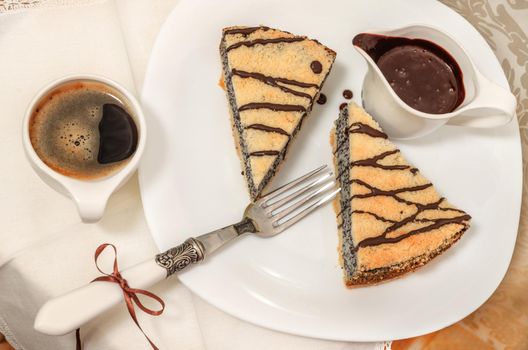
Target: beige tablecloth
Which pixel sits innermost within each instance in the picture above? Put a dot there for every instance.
(44, 250)
(502, 322)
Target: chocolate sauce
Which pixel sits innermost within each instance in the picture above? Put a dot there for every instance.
(272, 82)
(264, 42)
(118, 135)
(266, 128)
(348, 94)
(316, 67)
(342, 106)
(424, 75)
(322, 99)
(273, 107)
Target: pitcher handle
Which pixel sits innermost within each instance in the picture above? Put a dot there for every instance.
(493, 106)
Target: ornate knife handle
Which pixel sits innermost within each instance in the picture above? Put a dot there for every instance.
(178, 258)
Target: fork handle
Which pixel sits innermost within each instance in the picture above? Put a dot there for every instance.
(68, 312)
(176, 259)
(194, 250)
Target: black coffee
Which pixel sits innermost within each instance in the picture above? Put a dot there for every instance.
(83, 129)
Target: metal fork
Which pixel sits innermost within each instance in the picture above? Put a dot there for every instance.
(266, 217)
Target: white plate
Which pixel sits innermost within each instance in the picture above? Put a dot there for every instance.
(191, 183)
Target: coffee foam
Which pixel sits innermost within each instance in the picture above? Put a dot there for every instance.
(64, 128)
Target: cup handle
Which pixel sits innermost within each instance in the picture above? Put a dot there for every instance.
(493, 106)
(91, 205)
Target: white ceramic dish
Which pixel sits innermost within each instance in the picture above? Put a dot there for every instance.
(190, 179)
(485, 104)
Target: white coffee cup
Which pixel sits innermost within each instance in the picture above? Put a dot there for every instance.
(485, 105)
(90, 196)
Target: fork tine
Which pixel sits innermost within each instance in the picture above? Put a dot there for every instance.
(307, 210)
(299, 192)
(322, 188)
(289, 185)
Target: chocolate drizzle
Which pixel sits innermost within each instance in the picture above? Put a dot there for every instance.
(266, 128)
(365, 129)
(436, 223)
(362, 129)
(264, 153)
(390, 193)
(271, 81)
(296, 83)
(272, 106)
(380, 218)
(373, 162)
(250, 43)
(244, 31)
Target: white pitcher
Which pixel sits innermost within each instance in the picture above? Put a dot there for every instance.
(485, 104)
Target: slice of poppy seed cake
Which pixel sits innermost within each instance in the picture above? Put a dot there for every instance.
(391, 219)
(272, 79)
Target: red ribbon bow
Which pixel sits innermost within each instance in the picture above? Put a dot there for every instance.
(130, 294)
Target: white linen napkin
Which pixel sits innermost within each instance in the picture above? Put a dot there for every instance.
(44, 249)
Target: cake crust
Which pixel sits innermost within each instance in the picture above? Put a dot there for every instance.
(380, 275)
